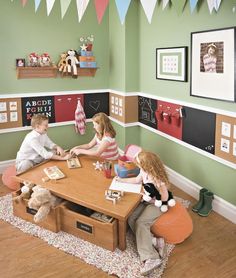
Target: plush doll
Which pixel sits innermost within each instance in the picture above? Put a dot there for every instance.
(33, 59)
(62, 65)
(26, 191)
(150, 193)
(42, 201)
(72, 61)
(45, 60)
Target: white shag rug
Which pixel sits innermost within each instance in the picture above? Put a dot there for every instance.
(124, 264)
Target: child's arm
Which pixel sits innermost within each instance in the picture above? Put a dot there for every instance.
(94, 152)
(88, 146)
(59, 157)
(137, 179)
(163, 191)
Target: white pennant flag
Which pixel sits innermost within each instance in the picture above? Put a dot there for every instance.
(148, 7)
(164, 3)
(81, 7)
(64, 6)
(217, 4)
(50, 4)
(36, 3)
(211, 5)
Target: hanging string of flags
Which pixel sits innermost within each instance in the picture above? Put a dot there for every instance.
(123, 6)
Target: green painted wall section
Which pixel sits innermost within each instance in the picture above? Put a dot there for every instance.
(168, 29)
(22, 32)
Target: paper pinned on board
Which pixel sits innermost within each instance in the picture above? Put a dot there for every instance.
(125, 186)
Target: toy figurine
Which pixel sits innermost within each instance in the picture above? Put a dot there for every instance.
(98, 166)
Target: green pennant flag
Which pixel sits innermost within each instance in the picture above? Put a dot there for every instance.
(179, 5)
(64, 6)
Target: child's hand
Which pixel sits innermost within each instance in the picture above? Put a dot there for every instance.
(67, 156)
(72, 151)
(76, 152)
(118, 179)
(59, 151)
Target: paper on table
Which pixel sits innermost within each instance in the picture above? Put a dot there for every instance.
(125, 186)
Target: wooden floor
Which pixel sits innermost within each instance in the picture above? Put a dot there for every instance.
(209, 252)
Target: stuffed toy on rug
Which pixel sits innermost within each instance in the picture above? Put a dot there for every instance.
(26, 191)
(42, 200)
(151, 193)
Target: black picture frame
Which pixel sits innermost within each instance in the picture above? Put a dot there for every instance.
(20, 62)
(171, 63)
(213, 64)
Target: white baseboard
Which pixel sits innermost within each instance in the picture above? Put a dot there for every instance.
(220, 206)
(5, 164)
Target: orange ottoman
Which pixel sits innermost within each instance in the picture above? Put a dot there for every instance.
(174, 226)
(8, 178)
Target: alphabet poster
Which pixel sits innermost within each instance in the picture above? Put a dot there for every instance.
(37, 105)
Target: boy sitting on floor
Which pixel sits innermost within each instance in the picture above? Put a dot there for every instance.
(37, 146)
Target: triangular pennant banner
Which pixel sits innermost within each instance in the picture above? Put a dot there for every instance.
(179, 5)
(50, 4)
(64, 6)
(217, 4)
(81, 7)
(122, 7)
(164, 3)
(193, 4)
(100, 6)
(148, 7)
(211, 5)
(36, 4)
(23, 2)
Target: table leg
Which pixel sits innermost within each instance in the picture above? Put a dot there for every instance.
(122, 225)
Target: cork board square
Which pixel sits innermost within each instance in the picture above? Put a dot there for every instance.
(225, 139)
(10, 113)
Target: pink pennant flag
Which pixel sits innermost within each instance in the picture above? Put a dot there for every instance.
(100, 6)
(148, 7)
(23, 2)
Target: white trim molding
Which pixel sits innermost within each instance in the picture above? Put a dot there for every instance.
(220, 206)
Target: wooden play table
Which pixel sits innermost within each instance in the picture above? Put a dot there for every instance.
(86, 186)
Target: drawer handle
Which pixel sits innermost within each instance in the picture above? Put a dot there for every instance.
(31, 211)
(84, 227)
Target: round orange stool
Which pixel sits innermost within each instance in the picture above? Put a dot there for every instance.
(174, 226)
(7, 178)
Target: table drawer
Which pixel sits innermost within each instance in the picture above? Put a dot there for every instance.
(87, 228)
(21, 209)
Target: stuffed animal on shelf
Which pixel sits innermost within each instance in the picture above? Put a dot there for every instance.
(26, 191)
(33, 59)
(62, 65)
(72, 61)
(42, 200)
(151, 193)
(44, 60)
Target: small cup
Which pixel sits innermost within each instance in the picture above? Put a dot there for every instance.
(107, 173)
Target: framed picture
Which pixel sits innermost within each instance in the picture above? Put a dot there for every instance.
(213, 64)
(171, 63)
(20, 62)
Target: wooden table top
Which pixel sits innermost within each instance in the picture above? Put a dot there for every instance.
(85, 186)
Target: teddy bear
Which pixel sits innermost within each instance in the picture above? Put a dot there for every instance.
(72, 61)
(26, 191)
(151, 193)
(42, 200)
(33, 59)
(62, 65)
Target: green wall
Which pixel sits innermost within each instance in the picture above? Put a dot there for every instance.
(126, 55)
(168, 29)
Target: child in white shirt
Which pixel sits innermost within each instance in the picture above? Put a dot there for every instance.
(37, 146)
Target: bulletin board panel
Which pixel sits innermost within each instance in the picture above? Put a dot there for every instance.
(225, 140)
(199, 128)
(146, 111)
(10, 113)
(37, 105)
(95, 103)
(131, 109)
(117, 107)
(65, 106)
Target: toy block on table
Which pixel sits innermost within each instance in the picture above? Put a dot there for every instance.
(54, 173)
(73, 163)
(113, 196)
